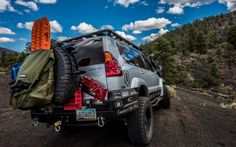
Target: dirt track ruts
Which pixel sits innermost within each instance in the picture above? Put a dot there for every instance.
(192, 120)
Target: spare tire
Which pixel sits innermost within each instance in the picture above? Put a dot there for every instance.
(65, 80)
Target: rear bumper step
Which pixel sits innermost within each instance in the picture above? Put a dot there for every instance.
(119, 103)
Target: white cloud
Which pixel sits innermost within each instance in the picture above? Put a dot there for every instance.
(107, 27)
(175, 25)
(27, 10)
(26, 25)
(62, 38)
(84, 28)
(126, 36)
(145, 25)
(160, 10)
(54, 26)
(178, 5)
(151, 37)
(154, 36)
(46, 1)
(163, 31)
(5, 5)
(175, 10)
(29, 25)
(126, 3)
(137, 32)
(30, 4)
(144, 3)
(20, 25)
(23, 39)
(187, 3)
(105, 7)
(4, 30)
(231, 4)
(6, 39)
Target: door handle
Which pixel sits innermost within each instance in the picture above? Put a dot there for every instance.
(142, 72)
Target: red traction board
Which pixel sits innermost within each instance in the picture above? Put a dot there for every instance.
(76, 102)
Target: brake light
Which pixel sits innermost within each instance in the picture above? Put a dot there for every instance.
(112, 66)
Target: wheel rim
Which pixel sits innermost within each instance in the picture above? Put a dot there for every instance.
(147, 120)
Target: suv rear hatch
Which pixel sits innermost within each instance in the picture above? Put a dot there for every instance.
(90, 58)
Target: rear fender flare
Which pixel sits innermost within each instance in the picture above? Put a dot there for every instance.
(137, 82)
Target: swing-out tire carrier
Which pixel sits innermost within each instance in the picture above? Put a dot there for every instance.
(118, 105)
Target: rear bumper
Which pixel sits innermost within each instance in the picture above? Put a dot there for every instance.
(118, 105)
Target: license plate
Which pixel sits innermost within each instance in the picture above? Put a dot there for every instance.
(86, 115)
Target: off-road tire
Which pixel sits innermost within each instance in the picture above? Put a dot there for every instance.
(65, 81)
(165, 102)
(140, 123)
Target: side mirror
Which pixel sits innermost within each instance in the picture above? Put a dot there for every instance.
(159, 67)
(152, 57)
(159, 70)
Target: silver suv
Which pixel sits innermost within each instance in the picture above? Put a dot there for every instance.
(132, 81)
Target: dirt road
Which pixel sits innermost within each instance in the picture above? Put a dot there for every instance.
(192, 120)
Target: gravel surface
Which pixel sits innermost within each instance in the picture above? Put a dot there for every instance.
(192, 120)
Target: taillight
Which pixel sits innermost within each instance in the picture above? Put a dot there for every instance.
(112, 66)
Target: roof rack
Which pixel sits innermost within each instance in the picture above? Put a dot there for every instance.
(105, 32)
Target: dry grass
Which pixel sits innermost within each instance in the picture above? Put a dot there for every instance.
(172, 91)
(228, 106)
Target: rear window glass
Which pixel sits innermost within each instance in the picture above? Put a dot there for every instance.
(89, 52)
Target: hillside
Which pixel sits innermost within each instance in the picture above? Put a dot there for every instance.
(201, 54)
(5, 50)
(9, 57)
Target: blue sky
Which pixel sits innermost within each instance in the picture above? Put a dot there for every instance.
(137, 20)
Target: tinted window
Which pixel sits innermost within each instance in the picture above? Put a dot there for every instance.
(127, 54)
(90, 52)
(148, 64)
(138, 58)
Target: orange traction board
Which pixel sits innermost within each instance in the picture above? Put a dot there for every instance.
(41, 34)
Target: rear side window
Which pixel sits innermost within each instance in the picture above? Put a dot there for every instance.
(138, 58)
(90, 52)
(127, 54)
(148, 64)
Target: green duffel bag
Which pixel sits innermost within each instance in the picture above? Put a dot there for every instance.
(34, 83)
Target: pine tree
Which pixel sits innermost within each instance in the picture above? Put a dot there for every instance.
(213, 40)
(191, 39)
(200, 43)
(232, 36)
(165, 54)
(3, 58)
(27, 47)
(213, 76)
